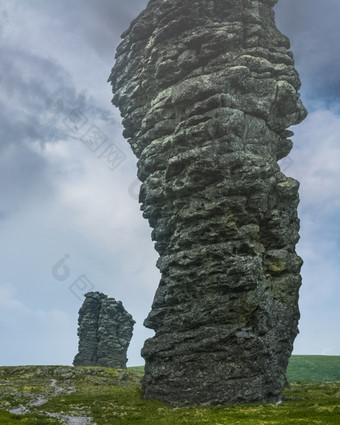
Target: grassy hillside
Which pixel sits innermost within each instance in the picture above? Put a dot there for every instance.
(42, 395)
(314, 369)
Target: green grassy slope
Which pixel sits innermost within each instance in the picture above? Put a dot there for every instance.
(314, 369)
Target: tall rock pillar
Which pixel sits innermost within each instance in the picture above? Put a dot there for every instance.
(105, 330)
(207, 90)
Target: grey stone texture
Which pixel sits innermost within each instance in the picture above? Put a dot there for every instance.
(207, 90)
(105, 330)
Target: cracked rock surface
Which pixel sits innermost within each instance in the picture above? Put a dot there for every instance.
(105, 330)
(207, 90)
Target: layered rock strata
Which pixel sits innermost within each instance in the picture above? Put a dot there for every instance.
(207, 90)
(105, 330)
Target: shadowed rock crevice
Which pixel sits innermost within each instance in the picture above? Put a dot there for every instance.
(207, 90)
(105, 330)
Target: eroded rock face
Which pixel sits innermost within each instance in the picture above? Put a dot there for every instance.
(105, 330)
(207, 90)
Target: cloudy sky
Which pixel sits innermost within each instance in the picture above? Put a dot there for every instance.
(69, 215)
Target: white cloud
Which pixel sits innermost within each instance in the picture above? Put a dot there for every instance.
(96, 202)
(316, 160)
(26, 332)
(316, 156)
(7, 301)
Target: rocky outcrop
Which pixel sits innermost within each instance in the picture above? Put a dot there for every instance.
(207, 90)
(105, 331)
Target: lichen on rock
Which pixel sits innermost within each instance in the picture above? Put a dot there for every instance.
(105, 330)
(207, 90)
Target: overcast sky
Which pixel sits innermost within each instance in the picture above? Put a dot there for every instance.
(69, 216)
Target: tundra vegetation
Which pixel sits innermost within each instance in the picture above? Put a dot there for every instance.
(42, 395)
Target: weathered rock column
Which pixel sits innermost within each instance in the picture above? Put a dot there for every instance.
(207, 89)
(105, 331)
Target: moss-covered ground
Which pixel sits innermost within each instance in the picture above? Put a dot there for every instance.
(54, 394)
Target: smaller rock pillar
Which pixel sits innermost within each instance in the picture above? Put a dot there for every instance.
(105, 330)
